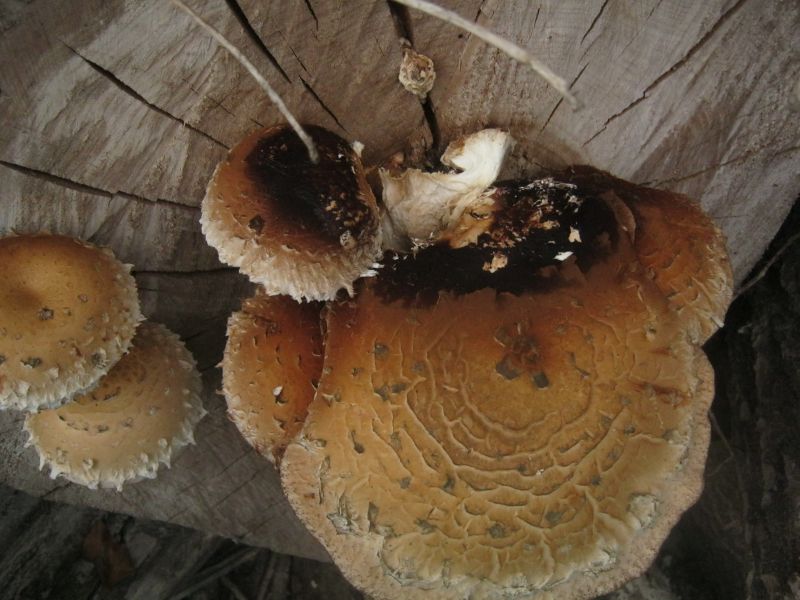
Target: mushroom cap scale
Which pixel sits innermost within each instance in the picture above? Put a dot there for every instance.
(493, 444)
(272, 363)
(296, 228)
(681, 248)
(139, 416)
(68, 312)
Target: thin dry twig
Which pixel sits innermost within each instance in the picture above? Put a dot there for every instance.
(273, 95)
(208, 576)
(760, 275)
(518, 53)
(237, 593)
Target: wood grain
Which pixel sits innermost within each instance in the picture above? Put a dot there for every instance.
(116, 112)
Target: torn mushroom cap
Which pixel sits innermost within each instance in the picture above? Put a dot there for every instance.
(272, 363)
(300, 229)
(68, 312)
(681, 248)
(139, 415)
(420, 205)
(487, 445)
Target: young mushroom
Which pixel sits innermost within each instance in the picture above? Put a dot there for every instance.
(536, 439)
(139, 416)
(272, 363)
(68, 312)
(297, 228)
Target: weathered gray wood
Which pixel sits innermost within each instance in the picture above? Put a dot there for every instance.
(116, 112)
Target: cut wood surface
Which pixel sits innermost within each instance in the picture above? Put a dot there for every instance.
(115, 114)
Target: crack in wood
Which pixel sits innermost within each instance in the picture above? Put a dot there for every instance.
(401, 18)
(313, 14)
(686, 57)
(291, 49)
(57, 180)
(83, 188)
(322, 104)
(560, 100)
(737, 159)
(129, 91)
(594, 21)
(241, 17)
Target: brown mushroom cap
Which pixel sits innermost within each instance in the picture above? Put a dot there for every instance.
(681, 248)
(68, 312)
(272, 363)
(139, 415)
(296, 228)
(488, 445)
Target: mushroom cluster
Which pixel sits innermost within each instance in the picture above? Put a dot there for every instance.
(514, 405)
(108, 397)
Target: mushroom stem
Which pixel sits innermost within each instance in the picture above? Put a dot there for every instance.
(516, 52)
(273, 95)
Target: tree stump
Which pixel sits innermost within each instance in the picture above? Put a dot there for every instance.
(115, 114)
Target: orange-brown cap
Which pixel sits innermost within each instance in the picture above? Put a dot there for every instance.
(68, 312)
(681, 248)
(139, 415)
(271, 366)
(490, 444)
(300, 229)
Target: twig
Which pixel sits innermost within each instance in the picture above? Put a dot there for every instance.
(273, 95)
(237, 593)
(211, 574)
(516, 52)
(760, 275)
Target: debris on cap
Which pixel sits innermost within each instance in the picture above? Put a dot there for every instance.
(139, 416)
(417, 73)
(271, 366)
(68, 312)
(300, 229)
(420, 205)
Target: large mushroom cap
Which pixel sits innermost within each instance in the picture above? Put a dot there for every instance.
(272, 363)
(487, 444)
(68, 312)
(141, 413)
(494, 445)
(301, 229)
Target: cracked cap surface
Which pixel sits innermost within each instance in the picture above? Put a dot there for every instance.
(495, 445)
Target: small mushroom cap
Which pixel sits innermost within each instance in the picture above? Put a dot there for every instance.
(139, 415)
(272, 363)
(680, 247)
(491, 445)
(296, 228)
(68, 312)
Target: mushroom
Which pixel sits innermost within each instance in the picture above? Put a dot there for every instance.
(536, 440)
(420, 205)
(68, 312)
(297, 228)
(139, 415)
(272, 363)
